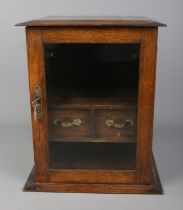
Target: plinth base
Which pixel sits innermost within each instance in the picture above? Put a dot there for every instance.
(153, 188)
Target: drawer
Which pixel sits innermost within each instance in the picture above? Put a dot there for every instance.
(116, 124)
(68, 123)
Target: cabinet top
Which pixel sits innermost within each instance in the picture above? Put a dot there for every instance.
(132, 21)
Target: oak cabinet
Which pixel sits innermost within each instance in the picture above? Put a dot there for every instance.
(92, 87)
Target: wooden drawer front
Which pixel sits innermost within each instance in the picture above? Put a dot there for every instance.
(68, 123)
(116, 124)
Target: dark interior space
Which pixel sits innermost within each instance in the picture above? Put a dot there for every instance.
(92, 156)
(91, 67)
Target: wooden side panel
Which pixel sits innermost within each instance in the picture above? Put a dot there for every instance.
(37, 77)
(91, 35)
(146, 104)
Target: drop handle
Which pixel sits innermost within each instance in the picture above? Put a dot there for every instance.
(127, 123)
(73, 123)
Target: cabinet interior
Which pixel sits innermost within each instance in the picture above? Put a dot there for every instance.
(92, 80)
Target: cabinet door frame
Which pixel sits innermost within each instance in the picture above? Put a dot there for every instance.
(146, 95)
(147, 38)
(36, 71)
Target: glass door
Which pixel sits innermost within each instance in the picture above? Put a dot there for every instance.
(92, 98)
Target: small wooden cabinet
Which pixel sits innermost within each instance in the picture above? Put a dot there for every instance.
(92, 84)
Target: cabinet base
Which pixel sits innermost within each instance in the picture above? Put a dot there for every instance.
(153, 188)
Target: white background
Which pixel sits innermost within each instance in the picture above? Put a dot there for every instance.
(16, 157)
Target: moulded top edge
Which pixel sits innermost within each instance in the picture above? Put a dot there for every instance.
(132, 21)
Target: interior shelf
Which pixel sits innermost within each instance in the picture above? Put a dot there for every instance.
(97, 156)
(96, 97)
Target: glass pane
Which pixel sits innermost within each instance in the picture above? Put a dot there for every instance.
(92, 93)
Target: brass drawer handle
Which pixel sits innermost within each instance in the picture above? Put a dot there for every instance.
(125, 124)
(37, 102)
(75, 122)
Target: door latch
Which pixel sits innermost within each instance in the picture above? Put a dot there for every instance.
(37, 102)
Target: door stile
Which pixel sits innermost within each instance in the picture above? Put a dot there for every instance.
(148, 47)
(37, 86)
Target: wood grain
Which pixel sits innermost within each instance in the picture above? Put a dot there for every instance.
(153, 188)
(91, 35)
(146, 104)
(92, 176)
(39, 127)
